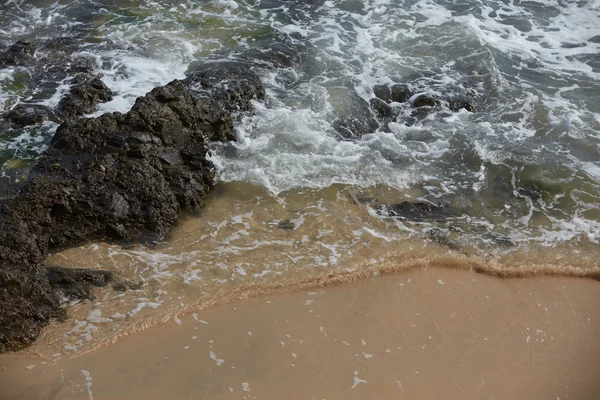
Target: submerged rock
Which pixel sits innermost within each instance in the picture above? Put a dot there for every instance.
(397, 93)
(441, 238)
(286, 225)
(400, 93)
(30, 114)
(20, 53)
(381, 109)
(120, 177)
(417, 211)
(460, 103)
(424, 100)
(76, 283)
(354, 115)
(595, 39)
(382, 92)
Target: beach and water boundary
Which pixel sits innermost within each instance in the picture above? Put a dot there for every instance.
(425, 333)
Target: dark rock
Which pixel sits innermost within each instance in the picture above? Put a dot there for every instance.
(397, 93)
(81, 66)
(76, 283)
(354, 117)
(425, 100)
(232, 85)
(30, 114)
(383, 92)
(20, 53)
(567, 45)
(400, 93)
(84, 98)
(381, 108)
(27, 303)
(595, 39)
(118, 177)
(11, 182)
(121, 285)
(276, 54)
(457, 104)
(417, 211)
(286, 225)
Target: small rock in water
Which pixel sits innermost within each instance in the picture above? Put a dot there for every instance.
(457, 104)
(286, 225)
(397, 93)
(30, 114)
(380, 108)
(417, 211)
(20, 53)
(76, 283)
(425, 100)
(400, 93)
(383, 92)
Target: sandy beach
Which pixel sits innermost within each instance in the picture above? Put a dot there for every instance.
(427, 334)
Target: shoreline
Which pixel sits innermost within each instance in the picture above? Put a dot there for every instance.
(532, 337)
(430, 256)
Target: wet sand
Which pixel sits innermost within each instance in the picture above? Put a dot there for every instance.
(423, 334)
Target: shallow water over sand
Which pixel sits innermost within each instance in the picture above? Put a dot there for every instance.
(247, 243)
(425, 334)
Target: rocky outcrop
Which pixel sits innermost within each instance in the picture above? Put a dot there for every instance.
(398, 93)
(55, 62)
(20, 53)
(83, 98)
(119, 177)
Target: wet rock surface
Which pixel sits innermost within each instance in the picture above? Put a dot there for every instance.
(20, 53)
(459, 103)
(56, 60)
(354, 117)
(83, 98)
(119, 177)
(417, 211)
(421, 105)
(400, 93)
(381, 108)
(77, 283)
(425, 100)
(30, 114)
